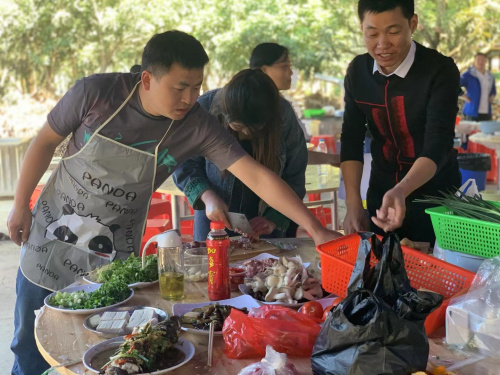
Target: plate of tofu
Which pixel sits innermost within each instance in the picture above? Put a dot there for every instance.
(121, 321)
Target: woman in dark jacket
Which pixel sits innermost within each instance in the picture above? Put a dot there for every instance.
(266, 126)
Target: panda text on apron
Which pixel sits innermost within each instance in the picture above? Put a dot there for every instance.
(92, 208)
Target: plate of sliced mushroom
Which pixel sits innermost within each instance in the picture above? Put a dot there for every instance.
(287, 283)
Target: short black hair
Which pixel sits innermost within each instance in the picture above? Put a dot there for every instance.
(379, 6)
(135, 69)
(267, 54)
(171, 47)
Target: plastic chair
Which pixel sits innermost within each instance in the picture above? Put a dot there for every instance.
(154, 227)
(329, 141)
(35, 195)
(160, 206)
(323, 214)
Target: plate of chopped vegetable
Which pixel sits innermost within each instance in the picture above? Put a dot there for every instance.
(90, 298)
(196, 317)
(152, 350)
(129, 270)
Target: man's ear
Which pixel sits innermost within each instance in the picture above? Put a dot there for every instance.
(413, 23)
(146, 78)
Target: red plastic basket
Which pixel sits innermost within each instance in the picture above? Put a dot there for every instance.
(424, 271)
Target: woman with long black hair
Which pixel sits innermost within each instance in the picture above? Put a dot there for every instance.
(265, 124)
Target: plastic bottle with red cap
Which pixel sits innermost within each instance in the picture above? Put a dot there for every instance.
(219, 286)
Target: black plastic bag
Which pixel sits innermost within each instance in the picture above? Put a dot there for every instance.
(379, 327)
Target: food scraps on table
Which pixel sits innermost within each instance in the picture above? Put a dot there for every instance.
(147, 350)
(200, 318)
(287, 282)
(255, 266)
(245, 241)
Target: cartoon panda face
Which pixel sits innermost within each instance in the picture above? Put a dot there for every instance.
(85, 232)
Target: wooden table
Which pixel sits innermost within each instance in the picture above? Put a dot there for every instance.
(61, 337)
(315, 184)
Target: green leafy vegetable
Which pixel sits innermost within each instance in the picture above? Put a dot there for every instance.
(130, 270)
(109, 293)
(470, 207)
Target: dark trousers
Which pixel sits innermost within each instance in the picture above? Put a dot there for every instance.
(27, 358)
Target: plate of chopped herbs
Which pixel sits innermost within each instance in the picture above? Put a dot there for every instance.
(129, 271)
(90, 298)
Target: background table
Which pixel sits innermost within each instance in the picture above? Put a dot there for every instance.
(328, 183)
(490, 141)
(315, 184)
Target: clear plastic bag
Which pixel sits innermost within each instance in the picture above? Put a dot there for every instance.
(273, 363)
(473, 320)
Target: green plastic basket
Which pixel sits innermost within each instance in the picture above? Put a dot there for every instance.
(311, 113)
(470, 236)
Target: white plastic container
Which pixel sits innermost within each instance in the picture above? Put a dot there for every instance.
(322, 168)
(491, 195)
(467, 261)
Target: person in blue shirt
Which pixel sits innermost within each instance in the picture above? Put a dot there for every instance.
(480, 88)
(266, 126)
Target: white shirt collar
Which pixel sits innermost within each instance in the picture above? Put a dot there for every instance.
(405, 66)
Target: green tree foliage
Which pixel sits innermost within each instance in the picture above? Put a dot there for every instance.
(46, 45)
(459, 28)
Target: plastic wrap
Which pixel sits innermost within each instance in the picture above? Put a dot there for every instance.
(286, 330)
(473, 320)
(273, 363)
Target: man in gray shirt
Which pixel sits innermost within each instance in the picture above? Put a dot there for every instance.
(130, 132)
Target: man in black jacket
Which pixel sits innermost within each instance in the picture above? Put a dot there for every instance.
(407, 96)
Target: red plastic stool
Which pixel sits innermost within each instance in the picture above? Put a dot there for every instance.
(323, 214)
(35, 195)
(159, 209)
(329, 141)
(154, 227)
(492, 174)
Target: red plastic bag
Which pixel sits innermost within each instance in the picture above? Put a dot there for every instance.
(286, 330)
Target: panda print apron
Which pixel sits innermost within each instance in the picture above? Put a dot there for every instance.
(92, 209)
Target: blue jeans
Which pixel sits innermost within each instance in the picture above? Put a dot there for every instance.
(28, 360)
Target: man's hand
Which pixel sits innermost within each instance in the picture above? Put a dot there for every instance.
(391, 214)
(261, 225)
(215, 207)
(356, 220)
(466, 98)
(19, 224)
